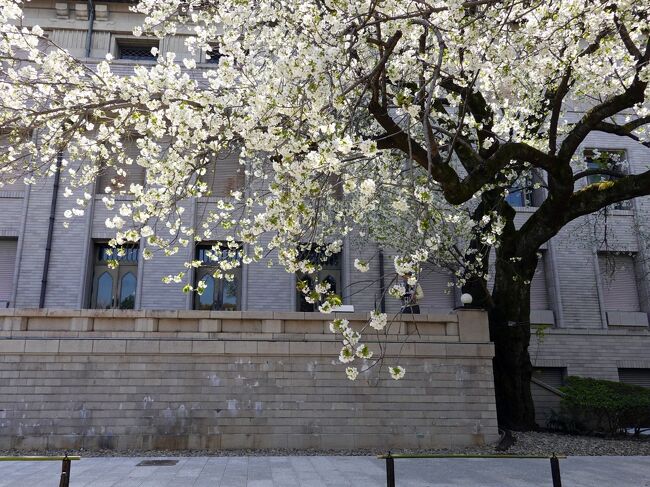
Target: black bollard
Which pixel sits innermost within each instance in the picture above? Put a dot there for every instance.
(555, 471)
(390, 470)
(65, 472)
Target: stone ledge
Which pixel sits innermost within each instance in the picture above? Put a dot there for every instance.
(446, 327)
(231, 346)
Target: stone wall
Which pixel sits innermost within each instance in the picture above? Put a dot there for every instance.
(219, 380)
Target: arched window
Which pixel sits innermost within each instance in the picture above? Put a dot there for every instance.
(104, 291)
(127, 291)
(330, 272)
(114, 276)
(220, 293)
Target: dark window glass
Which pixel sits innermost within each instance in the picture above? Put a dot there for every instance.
(330, 272)
(213, 56)
(219, 293)
(114, 286)
(104, 291)
(127, 291)
(520, 194)
(206, 300)
(107, 253)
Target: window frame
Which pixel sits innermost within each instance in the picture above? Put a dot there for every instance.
(120, 42)
(205, 269)
(329, 268)
(128, 264)
(622, 166)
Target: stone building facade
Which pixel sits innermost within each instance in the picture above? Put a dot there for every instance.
(591, 293)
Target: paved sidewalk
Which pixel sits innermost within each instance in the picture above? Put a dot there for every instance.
(331, 472)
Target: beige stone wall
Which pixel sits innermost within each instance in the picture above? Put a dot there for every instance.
(125, 379)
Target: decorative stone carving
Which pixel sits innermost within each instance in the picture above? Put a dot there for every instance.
(101, 12)
(61, 9)
(81, 11)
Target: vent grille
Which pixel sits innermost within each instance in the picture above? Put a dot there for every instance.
(137, 53)
(637, 377)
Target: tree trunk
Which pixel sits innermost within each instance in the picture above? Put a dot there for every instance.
(509, 319)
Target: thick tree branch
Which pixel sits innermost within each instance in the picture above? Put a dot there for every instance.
(625, 130)
(599, 195)
(627, 41)
(598, 171)
(560, 93)
(613, 105)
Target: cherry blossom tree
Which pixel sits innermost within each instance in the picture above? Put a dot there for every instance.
(407, 121)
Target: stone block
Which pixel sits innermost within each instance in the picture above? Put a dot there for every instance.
(241, 326)
(305, 348)
(226, 315)
(29, 312)
(430, 349)
(143, 346)
(41, 346)
(193, 314)
(273, 348)
(442, 317)
(101, 12)
(175, 346)
(337, 442)
(303, 442)
(272, 326)
(237, 441)
(208, 347)
(81, 11)
(241, 347)
(176, 324)
(462, 349)
(81, 324)
(161, 313)
(109, 346)
(111, 324)
(61, 9)
(257, 315)
(451, 329)
(145, 324)
(304, 326)
(473, 326)
(38, 323)
(210, 325)
(75, 346)
(13, 323)
(288, 315)
(334, 348)
(62, 313)
(426, 328)
(30, 442)
(12, 346)
(270, 441)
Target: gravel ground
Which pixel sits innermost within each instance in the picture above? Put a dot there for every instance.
(531, 443)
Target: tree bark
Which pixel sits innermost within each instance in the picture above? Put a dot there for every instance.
(509, 318)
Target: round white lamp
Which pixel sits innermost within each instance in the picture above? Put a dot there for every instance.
(466, 299)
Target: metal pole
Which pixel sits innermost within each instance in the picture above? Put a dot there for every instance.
(65, 472)
(555, 471)
(390, 470)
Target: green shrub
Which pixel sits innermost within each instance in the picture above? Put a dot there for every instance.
(603, 405)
